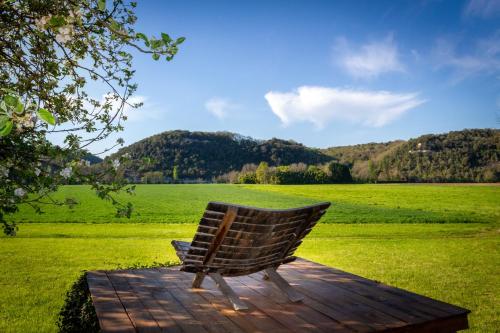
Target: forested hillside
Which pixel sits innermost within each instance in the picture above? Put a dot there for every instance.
(461, 156)
(204, 155)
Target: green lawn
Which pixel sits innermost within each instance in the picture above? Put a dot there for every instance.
(437, 255)
(351, 203)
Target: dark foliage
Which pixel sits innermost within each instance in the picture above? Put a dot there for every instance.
(93, 159)
(78, 313)
(339, 173)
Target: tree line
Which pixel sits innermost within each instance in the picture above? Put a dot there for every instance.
(297, 173)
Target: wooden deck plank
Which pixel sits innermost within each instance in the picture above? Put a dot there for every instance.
(428, 305)
(258, 318)
(139, 283)
(161, 299)
(322, 322)
(243, 321)
(393, 306)
(112, 315)
(138, 313)
(247, 321)
(271, 308)
(163, 295)
(202, 311)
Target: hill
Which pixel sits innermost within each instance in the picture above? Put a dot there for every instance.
(460, 156)
(204, 155)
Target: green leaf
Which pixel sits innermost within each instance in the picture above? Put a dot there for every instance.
(3, 121)
(101, 4)
(6, 128)
(10, 100)
(142, 36)
(156, 56)
(19, 107)
(57, 21)
(166, 38)
(180, 40)
(156, 43)
(115, 25)
(46, 116)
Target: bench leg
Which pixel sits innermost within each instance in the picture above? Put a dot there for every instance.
(237, 303)
(283, 285)
(198, 279)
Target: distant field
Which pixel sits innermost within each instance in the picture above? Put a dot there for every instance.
(398, 203)
(441, 241)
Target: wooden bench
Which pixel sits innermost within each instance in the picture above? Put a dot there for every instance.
(234, 240)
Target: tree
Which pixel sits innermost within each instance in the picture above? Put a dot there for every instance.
(248, 178)
(175, 174)
(338, 173)
(52, 53)
(372, 171)
(262, 173)
(152, 177)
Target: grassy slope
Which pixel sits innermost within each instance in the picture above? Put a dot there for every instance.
(457, 263)
(352, 203)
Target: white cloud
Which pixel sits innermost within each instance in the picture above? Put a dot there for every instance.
(369, 60)
(321, 105)
(219, 107)
(481, 58)
(482, 8)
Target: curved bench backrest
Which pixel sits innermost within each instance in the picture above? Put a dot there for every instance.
(237, 240)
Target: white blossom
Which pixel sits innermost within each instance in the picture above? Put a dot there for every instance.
(26, 121)
(75, 14)
(42, 22)
(37, 172)
(116, 164)
(64, 34)
(19, 192)
(66, 172)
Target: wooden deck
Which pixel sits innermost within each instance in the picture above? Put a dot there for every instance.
(162, 300)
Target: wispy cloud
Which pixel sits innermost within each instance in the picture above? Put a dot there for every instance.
(482, 58)
(321, 105)
(369, 60)
(482, 8)
(220, 107)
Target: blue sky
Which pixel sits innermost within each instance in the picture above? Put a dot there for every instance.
(324, 73)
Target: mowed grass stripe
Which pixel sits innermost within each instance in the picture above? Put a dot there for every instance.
(401, 203)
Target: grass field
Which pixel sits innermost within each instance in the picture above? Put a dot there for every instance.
(440, 241)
